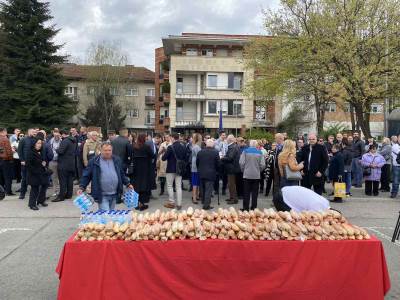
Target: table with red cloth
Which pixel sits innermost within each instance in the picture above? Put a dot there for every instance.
(223, 269)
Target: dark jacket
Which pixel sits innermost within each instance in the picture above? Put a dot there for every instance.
(92, 173)
(208, 162)
(231, 160)
(347, 158)
(143, 171)
(358, 148)
(66, 154)
(35, 172)
(336, 166)
(120, 147)
(169, 156)
(318, 162)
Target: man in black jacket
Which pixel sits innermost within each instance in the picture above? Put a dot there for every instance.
(358, 148)
(174, 152)
(120, 146)
(232, 167)
(207, 162)
(315, 158)
(66, 166)
(24, 148)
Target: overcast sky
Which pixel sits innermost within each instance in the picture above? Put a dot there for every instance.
(139, 25)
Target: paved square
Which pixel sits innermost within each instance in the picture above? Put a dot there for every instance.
(30, 241)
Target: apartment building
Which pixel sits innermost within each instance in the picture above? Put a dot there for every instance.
(197, 76)
(134, 91)
(338, 113)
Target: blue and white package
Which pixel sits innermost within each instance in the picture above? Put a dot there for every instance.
(131, 198)
(83, 202)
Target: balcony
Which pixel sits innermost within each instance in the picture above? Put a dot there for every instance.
(189, 91)
(189, 124)
(149, 100)
(164, 77)
(166, 97)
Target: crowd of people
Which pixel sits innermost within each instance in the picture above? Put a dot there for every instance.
(51, 163)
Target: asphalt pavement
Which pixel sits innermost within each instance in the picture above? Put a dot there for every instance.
(31, 241)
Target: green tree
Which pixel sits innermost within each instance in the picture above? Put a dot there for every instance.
(331, 50)
(31, 86)
(95, 116)
(106, 70)
(286, 62)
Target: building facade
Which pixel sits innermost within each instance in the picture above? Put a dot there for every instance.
(197, 76)
(134, 91)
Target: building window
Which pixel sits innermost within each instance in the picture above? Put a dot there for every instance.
(72, 92)
(132, 113)
(150, 92)
(207, 52)
(211, 107)
(376, 108)
(212, 81)
(260, 112)
(330, 107)
(235, 81)
(132, 92)
(113, 91)
(150, 117)
(191, 52)
(234, 107)
(228, 107)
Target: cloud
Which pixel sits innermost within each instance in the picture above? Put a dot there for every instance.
(139, 25)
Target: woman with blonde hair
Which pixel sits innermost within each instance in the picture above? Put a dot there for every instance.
(197, 140)
(287, 158)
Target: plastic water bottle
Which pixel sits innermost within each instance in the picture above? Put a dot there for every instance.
(83, 202)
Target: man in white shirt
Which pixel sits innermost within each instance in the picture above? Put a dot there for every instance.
(395, 170)
(299, 199)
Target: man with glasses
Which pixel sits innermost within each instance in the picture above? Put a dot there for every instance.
(315, 159)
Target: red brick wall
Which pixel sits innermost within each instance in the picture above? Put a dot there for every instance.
(159, 57)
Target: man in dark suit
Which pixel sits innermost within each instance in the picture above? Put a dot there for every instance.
(121, 147)
(315, 158)
(208, 163)
(279, 139)
(154, 144)
(66, 165)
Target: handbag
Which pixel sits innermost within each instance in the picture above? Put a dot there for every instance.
(339, 189)
(368, 170)
(292, 175)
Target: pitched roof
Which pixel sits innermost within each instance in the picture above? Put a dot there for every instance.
(74, 71)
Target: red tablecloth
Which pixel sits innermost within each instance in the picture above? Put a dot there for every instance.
(216, 269)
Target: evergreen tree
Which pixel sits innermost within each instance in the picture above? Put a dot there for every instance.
(31, 86)
(104, 112)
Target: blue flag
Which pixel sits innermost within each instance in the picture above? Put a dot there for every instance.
(221, 127)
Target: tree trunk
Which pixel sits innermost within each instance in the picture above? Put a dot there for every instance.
(363, 120)
(353, 122)
(320, 114)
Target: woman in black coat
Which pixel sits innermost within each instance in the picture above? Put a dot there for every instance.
(141, 178)
(336, 168)
(37, 176)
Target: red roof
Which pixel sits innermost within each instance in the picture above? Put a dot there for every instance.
(74, 71)
(218, 35)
